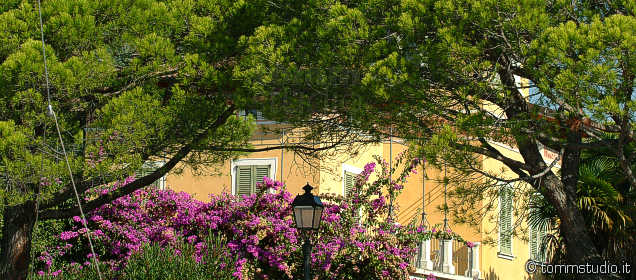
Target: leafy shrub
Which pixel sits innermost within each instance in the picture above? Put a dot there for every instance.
(184, 261)
(207, 260)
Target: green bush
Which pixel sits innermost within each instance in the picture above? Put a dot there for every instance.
(156, 262)
(169, 263)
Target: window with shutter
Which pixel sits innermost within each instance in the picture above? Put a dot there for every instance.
(537, 243)
(505, 221)
(146, 169)
(349, 181)
(541, 244)
(247, 176)
(261, 171)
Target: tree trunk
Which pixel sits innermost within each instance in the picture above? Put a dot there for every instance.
(580, 248)
(15, 254)
(561, 193)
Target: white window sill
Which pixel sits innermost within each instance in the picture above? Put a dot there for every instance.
(505, 256)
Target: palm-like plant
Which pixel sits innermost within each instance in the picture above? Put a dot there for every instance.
(607, 203)
(607, 211)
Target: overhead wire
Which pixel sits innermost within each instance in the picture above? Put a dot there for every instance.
(51, 112)
(37, 193)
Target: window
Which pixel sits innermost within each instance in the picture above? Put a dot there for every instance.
(258, 115)
(247, 176)
(349, 181)
(537, 243)
(246, 173)
(505, 220)
(150, 167)
(349, 174)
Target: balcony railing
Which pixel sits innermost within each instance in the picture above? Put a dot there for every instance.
(446, 259)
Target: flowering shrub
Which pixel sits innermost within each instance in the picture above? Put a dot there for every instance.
(257, 227)
(357, 239)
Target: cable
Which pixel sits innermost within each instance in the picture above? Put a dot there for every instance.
(37, 197)
(59, 134)
(79, 204)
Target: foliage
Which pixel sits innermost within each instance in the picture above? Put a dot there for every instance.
(258, 230)
(77, 271)
(607, 203)
(207, 260)
(111, 75)
(130, 82)
(464, 78)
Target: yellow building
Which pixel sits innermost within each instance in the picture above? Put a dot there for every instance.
(504, 258)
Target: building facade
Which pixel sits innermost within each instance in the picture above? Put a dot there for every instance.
(504, 257)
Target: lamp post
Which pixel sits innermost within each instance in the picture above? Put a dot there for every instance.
(307, 216)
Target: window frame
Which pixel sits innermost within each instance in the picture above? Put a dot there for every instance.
(149, 167)
(272, 162)
(258, 116)
(540, 234)
(346, 168)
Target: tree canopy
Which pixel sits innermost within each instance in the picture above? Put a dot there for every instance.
(460, 75)
(138, 79)
(130, 81)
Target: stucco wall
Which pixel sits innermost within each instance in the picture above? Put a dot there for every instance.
(497, 267)
(331, 171)
(295, 174)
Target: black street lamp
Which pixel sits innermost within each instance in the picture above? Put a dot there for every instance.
(307, 215)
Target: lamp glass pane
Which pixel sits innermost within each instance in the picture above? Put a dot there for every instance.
(297, 217)
(317, 217)
(303, 216)
(307, 215)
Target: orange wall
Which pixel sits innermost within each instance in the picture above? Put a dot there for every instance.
(326, 175)
(296, 173)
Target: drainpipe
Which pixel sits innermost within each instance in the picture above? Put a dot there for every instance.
(391, 171)
(282, 154)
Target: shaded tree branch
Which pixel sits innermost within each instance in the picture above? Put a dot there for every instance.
(143, 181)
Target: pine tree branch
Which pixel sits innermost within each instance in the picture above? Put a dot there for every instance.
(143, 181)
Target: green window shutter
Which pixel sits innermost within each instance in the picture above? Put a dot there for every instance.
(541, 234)
(260, 171)
(244, 180)
(349, 181)
(534, 246)
(247, 176)
(505, 224)
(537, 243)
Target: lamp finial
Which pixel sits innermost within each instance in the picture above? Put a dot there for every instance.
(308, 188)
